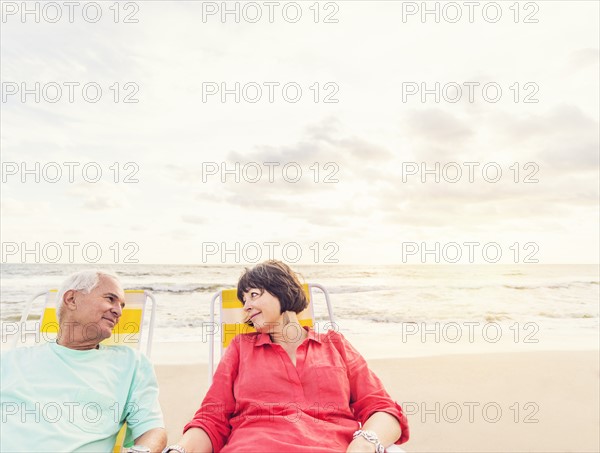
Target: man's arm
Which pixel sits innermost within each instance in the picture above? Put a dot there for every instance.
(144, 417)
(155, 439)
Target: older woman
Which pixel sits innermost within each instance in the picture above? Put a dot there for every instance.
(287, 388)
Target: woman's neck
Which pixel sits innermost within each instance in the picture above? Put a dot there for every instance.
(288, 332)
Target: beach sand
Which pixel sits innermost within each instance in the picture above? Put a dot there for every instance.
(499, 402)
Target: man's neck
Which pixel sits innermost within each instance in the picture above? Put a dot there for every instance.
(79, 346)
(77, 342)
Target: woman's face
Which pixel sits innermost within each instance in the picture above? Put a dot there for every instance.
(262, 308)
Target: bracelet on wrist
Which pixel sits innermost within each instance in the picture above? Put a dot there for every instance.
(177, 448)
(370, 436)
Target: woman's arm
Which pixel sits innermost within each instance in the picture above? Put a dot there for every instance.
(195, 440)
(369, 401)
(386, 427)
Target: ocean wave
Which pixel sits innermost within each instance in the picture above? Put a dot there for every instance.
(475, 287)
(565, 285)
(195, 323)
(403, 320)
(182, 289)
(567, 315)
(493, 317)
(357, 289)
(139, 274)
(521, 287)
(17, 317)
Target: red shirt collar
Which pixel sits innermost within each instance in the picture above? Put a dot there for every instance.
(265, 338)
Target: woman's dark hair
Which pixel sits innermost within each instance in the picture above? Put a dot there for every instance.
(279, 280)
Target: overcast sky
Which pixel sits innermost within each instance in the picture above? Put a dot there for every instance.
(370, 146)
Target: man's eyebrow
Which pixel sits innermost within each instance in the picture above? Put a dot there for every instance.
(114, 296)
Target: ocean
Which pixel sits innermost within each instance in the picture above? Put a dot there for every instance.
(557, 305)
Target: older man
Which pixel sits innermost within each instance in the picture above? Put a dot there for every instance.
(75, 394)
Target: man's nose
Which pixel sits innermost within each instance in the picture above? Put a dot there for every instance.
(117, 310)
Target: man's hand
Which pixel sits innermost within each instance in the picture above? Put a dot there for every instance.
(155, 439)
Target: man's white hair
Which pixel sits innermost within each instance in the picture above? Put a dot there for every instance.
(84, 281)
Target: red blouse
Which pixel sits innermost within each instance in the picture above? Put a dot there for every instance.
(260, 401)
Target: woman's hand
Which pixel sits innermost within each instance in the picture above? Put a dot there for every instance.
(385, 426)
(361, 445)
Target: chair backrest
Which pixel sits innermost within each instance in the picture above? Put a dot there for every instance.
(128, 331)
(231, 318)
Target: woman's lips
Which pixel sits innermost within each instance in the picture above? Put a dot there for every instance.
(255, 314)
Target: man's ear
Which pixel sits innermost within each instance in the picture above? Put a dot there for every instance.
(69, 300)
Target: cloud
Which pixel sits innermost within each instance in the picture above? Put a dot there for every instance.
(583, 58)
(437, 126)
(13, 207)
(193, 219)
(562, 120)
(78, 52)
(100, 196)
(101, 202)
(180, 234)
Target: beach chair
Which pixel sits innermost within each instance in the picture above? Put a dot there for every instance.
(128, 331)
(231, 319)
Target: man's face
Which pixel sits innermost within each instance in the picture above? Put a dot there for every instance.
(99, 310)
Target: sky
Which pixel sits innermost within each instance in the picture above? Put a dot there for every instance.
(364, 134)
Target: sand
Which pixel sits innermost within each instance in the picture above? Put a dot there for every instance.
(497, 402)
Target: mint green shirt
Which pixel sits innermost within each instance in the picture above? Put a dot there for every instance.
(56, 399)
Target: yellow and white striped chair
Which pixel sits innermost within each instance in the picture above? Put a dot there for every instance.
(127, 332)
(231, 319)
